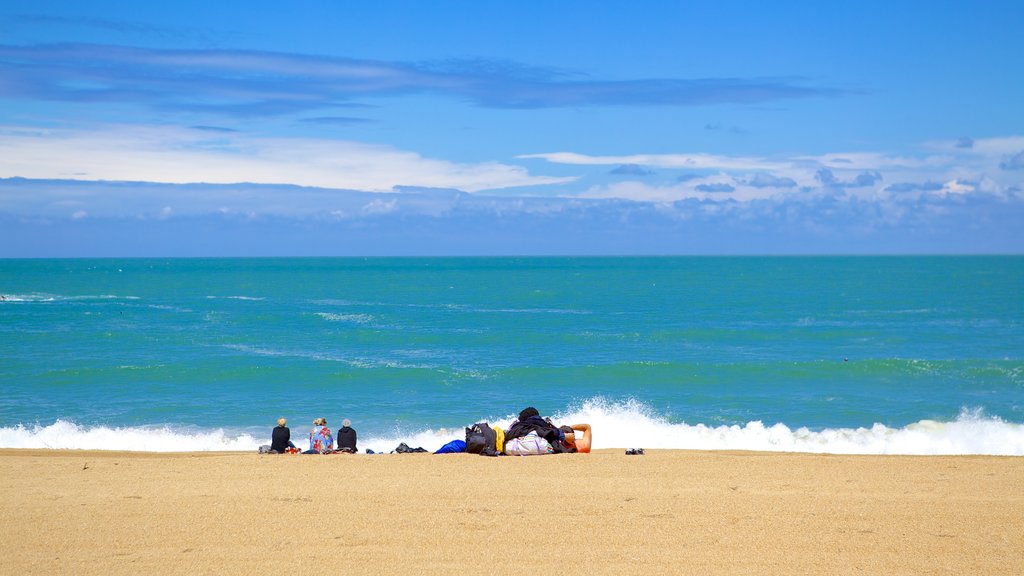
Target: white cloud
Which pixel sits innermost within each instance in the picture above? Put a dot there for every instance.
(935, 162)
(709, 188)
(979, 146)
(958, 187)
(328, 169)
(638, 191)
(378, 207)
(688, 161)
(859, 161)
(179, 155)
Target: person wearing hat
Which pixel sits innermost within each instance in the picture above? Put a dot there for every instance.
(281, 438)
(347, 438)
(320, 440)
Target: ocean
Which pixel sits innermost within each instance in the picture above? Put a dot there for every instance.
(867, 355)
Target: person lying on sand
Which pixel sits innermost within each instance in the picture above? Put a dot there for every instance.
(559, 439)
(574, 441)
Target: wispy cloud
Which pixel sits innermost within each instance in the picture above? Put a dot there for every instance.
(221, 129)
(720, 127)
(987, 167)
(827, 178)
(168, 154)
(688, 161)
(1014, 162)
(124, 27)
(716, 188)
(250, 83)
(762, 180)
(915, 187)
(864, 193)
(117, 218)
(631, 170)
(336, 120)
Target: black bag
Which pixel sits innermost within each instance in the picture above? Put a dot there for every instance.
(481, 439)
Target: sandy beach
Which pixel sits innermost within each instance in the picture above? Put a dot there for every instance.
(78, 512)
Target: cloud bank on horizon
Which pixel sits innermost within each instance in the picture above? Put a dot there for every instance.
(118, 133)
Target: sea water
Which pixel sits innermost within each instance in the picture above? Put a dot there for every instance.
(902, 355)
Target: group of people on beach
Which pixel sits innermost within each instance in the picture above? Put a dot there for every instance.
(530, 434)
(320, 439)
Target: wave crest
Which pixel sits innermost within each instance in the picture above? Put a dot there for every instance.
(64, 435)
(634, 424)
(628, 424)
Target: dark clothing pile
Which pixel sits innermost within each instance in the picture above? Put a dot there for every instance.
(404, 448)
(543, 427)
(280, 439)
(347, 440)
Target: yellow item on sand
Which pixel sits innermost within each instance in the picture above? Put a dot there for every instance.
(499, 439)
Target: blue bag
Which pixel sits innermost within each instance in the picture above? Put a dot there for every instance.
(452, 447)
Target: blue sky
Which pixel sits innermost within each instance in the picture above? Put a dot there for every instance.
(419, 128)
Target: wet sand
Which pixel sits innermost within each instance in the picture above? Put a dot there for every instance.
(84, 512)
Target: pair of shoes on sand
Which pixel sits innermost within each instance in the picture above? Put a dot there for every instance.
(635, 452)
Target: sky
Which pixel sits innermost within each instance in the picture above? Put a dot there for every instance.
(325, 128)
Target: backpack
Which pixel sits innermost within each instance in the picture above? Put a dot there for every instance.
(481, 439)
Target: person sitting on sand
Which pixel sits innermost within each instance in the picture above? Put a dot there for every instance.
(281, 438)
(574, 442)
(347, 438)
(320, 440)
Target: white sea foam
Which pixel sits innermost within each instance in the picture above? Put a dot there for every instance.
(70, 436)
(247, 298)
(29, 297)
(634, 424)
(354, 362)
(427, 439)
(45, 297)
(629, 424)
(356, 318)
(530, 311)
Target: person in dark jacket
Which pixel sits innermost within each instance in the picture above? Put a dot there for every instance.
(347, 438)
(531, 421)
(281, 438)
(528, 412)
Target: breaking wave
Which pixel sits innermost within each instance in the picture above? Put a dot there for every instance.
(636, 425)
(629, 424)
(64, 435)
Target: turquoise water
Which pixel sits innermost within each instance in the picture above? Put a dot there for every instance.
(676, 352)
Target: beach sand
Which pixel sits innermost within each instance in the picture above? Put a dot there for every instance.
(681, 512)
